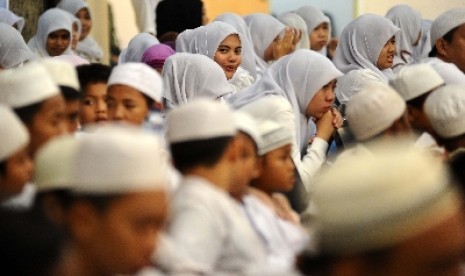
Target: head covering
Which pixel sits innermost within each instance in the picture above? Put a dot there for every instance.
(408, 20)
(353, 82)
(178, 15)
(445, 109)
(247, 124)
(188, 76)
(415, 80)
(13, 49)
(424, 47)
(315, 71)
(53, 164)
(446, 22)
(200, 119)
(449, 72)
(62, 72)
(361, 43)
(140, 77)
(373, 110)
(118, 159)
(248, 52)
(207, 38)
(10, 18)
(73, 60)
(273, 136)
(184, 39)
(136, 47)
(73, 6)
(26, 85)
(294, 20)
(376, 201)
(14, 134)
(312, 16)
(156, 55)
(50, 21)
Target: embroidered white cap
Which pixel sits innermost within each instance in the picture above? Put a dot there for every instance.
(62, 72)
(274, 136)
(446, 22)
(14, 134)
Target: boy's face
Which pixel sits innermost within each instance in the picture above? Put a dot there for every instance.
(126, 104)
(122, 239)
(277, 171)
(72, 115)
(18, 172)
(93, 108)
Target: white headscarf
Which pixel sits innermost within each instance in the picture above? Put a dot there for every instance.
(183, 41)
(294, 20)
(353, 82)
(72, 6)
(248, 53)
(187, 76)
(424, 47)
(13, 49)
(409, 21)
(313, 70)
(207, 38)
(136, 47)
(361, 43)
(50, 21)
(8, 17)
(312, 16)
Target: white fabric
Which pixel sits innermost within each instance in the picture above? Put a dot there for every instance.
(119, 159)
(26, 85)
(13, 49)
(248, 52)
(223, 242)
(14, 134)
(294, 20)
(353, 82)
(50, 21)
(424, 47)
(409, 21)
(312, 16)
(361, 43)
(449, 72)
(10, 18)
(136, 47)
(73, 59)
(62, 72)
(273, 136)
(446, 22)
(72, 6)
(445, 109)
(415, 80)
(373, 110)
(188, 76)
(247, 124)
(376, 201)
(53, 163)
(199, 119)
(145, 15)
(184, 39)
(207, 38)
(139, 76)
(241, 80)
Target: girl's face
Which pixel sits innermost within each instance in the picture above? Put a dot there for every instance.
(277, 171)
(386, 56)
(86, 22)
(126, 104)
(75, 36)
(247, 166)
(57, 42)
(322, 101)
(18, 171)
(229, 55)
(319, 37)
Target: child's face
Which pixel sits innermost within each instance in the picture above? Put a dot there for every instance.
(72, 115)
(57, 42)
(319, 37)
(277, 174)
(18, 172)
(93, 108)
(86, 22)
(322, 101)
(228, 55)
(126, 104)
(386, 56)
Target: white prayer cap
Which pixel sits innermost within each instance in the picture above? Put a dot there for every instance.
(140, 77)
(415, 80)
(446, 22)
(54, 162)
(374, 201)
(274, 136)
(62, 72)
(353, 82)
(373, 110)
(445, 109)
(118, 159)
(26, 85)
(14, 134)
(247, 124)
(200, 119)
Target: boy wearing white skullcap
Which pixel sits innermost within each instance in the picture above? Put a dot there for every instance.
(118, 202)
(384, 214)
(133, 90)
(207, 226)
(15, 163)
(445, 109)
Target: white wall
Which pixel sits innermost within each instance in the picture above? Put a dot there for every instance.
(125, 22)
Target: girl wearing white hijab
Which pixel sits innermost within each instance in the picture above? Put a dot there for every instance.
(317, 27)
(187, 76)
(87, 46)
(223, 43)
(137, 47)
(367, 42)
(292, 101)
(295, 21)
(13, 49)
(10, 18)
(409, 21)
(53, 37)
